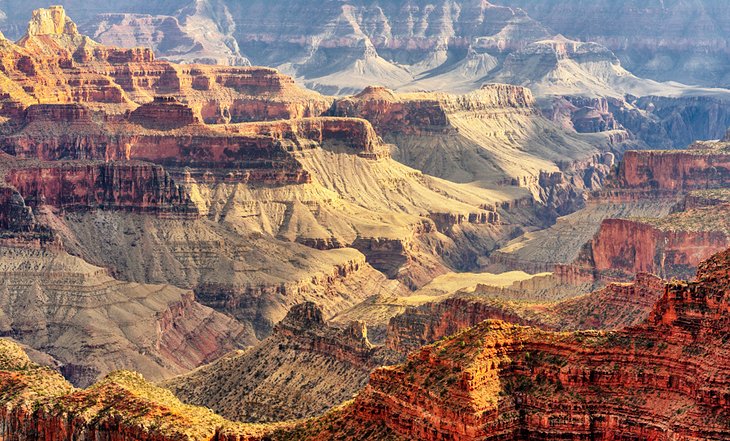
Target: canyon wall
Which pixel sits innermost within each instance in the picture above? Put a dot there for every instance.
(692, 169)
(499, 380)
(135, 186)
(669, 247)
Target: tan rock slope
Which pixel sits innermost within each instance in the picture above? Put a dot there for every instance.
(493, 135)
(312, 364)
(93, 324)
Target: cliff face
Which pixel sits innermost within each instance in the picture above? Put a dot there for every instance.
(498, 380)
(692, 169)
(671, 246)
(133, 186)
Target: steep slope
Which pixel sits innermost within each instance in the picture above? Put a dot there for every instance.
(491, 136)
(251, 385)
(650, 194)
(93, 324)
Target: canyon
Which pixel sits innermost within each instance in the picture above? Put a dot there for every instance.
(482, 231)
(493, 380)
(633, 75)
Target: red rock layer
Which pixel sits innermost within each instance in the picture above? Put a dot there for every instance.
(667, 379)
(135, 186)
(674, 170)
(616, 306)
(70, 131)
(354, 133)
(669, 248)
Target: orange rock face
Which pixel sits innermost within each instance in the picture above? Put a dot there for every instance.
(670, 247)
(675, 170)
(53, 63)
(665, 379)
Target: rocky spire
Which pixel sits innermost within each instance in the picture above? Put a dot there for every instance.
(51, 21)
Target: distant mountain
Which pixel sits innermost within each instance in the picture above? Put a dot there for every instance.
(340, 47)
(685, 41)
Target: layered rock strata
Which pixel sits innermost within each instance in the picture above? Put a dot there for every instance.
(616, 306)
(662, 379)
(93, 324)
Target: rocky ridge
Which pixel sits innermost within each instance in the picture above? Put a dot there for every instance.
(503, 380)
(248, 385)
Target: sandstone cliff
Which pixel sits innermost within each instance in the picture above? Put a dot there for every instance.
(672, 246)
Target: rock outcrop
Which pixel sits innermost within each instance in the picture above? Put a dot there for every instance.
(53, 63)
(664, 378)
(670, 247)
(37, 402)
(69, 185)
(616, 306)
(494, 135)
(693, 169)
(249, 385)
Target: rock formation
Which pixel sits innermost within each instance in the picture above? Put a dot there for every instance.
(494, 135)
(93, 324)
(662, 378)
(499, 380)
(693, 169)
(616, 306)
(671, 247)
(249, 385)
